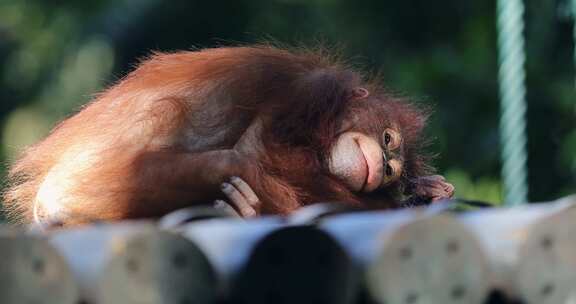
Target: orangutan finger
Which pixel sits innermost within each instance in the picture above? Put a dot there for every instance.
(224, 206)
(246, 191)
(238, 200)
(449, 188)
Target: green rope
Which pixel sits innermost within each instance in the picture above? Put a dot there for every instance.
(513, 105)
(574, 33)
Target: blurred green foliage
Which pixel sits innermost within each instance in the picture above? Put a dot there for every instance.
(55, 54)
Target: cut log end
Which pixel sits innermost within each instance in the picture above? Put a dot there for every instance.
(299, 264)
(546, 271)
(158, 267)
(32, 271)
(430, 260)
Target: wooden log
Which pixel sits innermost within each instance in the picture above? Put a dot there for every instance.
(265, 261)
(134, 262)
(298, 264)
(315, 213)
(413, 256)
(183, 216)
(228, 242)
(32, 271)
(531, 249)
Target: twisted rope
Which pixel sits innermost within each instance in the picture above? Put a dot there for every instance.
(574, 34)
(511, 75)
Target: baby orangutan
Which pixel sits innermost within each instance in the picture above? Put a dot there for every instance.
(264, 129)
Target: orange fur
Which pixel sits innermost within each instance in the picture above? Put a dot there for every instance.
(164, 137)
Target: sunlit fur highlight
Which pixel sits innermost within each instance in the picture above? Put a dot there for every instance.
(302, 96)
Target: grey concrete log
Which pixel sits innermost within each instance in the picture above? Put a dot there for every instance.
(32, 271)
(134, 262)
(413, 256)
(265, 261)
(531, 249)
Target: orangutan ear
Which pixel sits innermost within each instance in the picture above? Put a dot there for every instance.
(360, 93)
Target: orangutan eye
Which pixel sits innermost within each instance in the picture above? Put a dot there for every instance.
(392, 171)
(392, 139)
(389, 170)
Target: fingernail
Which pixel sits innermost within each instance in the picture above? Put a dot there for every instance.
(234, 178)
(225, 186)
